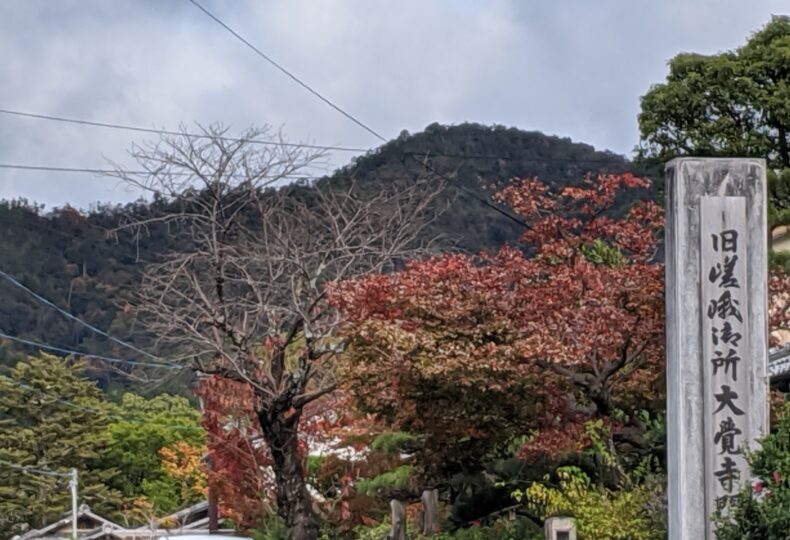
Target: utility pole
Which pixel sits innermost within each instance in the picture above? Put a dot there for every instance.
(73, 486)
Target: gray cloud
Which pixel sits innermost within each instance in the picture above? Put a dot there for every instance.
(569, 67)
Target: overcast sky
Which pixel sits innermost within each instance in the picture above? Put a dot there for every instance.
(573, 68)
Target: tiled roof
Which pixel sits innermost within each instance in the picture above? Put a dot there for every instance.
(186, 522)
(779, 361)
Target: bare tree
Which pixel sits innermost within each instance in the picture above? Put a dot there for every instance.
(254, 264)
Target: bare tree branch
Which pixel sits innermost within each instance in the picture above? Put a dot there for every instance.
(244, 288)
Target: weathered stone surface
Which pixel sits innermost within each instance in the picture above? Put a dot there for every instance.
(430, 509)
(560, 528)
(398, 529)
(706, 197)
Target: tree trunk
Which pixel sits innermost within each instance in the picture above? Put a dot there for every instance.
(294, 503)
(784, 151)
(213, 512)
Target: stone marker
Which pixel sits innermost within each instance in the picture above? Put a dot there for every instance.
(560, 528)
(430, 509)
(716, 292)
(398, 529)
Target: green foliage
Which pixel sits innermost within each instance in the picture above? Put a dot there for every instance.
(519, 529)
(599, 252)
(779, 259)
(162, 493)
(52, 417)
(272, 528)
(763, 513)
(375, 532)
(136, 436)
(600, 513)
(396, 478)
(736, 103)
(314, 464)
(394, 442)
(779, 207)
(37, 430)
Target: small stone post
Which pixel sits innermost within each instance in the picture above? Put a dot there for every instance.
(560, 528)
(430, 506)
(398, 530)
(716, 322)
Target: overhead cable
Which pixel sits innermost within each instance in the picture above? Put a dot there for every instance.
(288, 73)
(65, 313)
(141, 129)
(71, 352)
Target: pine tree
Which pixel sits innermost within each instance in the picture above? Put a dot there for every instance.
(40, 429)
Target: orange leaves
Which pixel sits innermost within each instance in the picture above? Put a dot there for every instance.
(184, 462)
(559, 223)
(465, 348)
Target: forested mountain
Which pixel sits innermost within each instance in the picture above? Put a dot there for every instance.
(478, 159)
(68, 257)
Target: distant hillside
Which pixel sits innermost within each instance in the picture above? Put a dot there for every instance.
(480, 158)
(67, 257)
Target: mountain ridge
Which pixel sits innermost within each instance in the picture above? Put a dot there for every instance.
(67, 257)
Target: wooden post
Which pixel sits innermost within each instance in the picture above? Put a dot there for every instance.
(213, 511)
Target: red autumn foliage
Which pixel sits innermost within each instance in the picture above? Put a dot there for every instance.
(475, 350)
(237, 457)
(239, 473)
(779, 306)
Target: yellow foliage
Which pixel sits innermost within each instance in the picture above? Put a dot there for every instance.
(183, 462)
(599, 513)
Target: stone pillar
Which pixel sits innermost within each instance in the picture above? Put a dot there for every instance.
(398, 529)
(716, 293)
(430, 510)
(560, 528)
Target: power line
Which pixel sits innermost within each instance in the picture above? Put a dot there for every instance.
(98, 171)
(449, 180)
(51, 304)
(32, 470)
(140, 129)
(90, 170)
(474, 195)
(62, 350)
(288, 73)
(426, 154)
(51, 168)
(364, 126)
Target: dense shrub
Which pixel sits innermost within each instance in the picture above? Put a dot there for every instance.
(763, 511)
(629, 513)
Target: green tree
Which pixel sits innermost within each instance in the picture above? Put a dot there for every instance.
(140, 430)
(39, 429)
(735, 103)
(731, 103)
